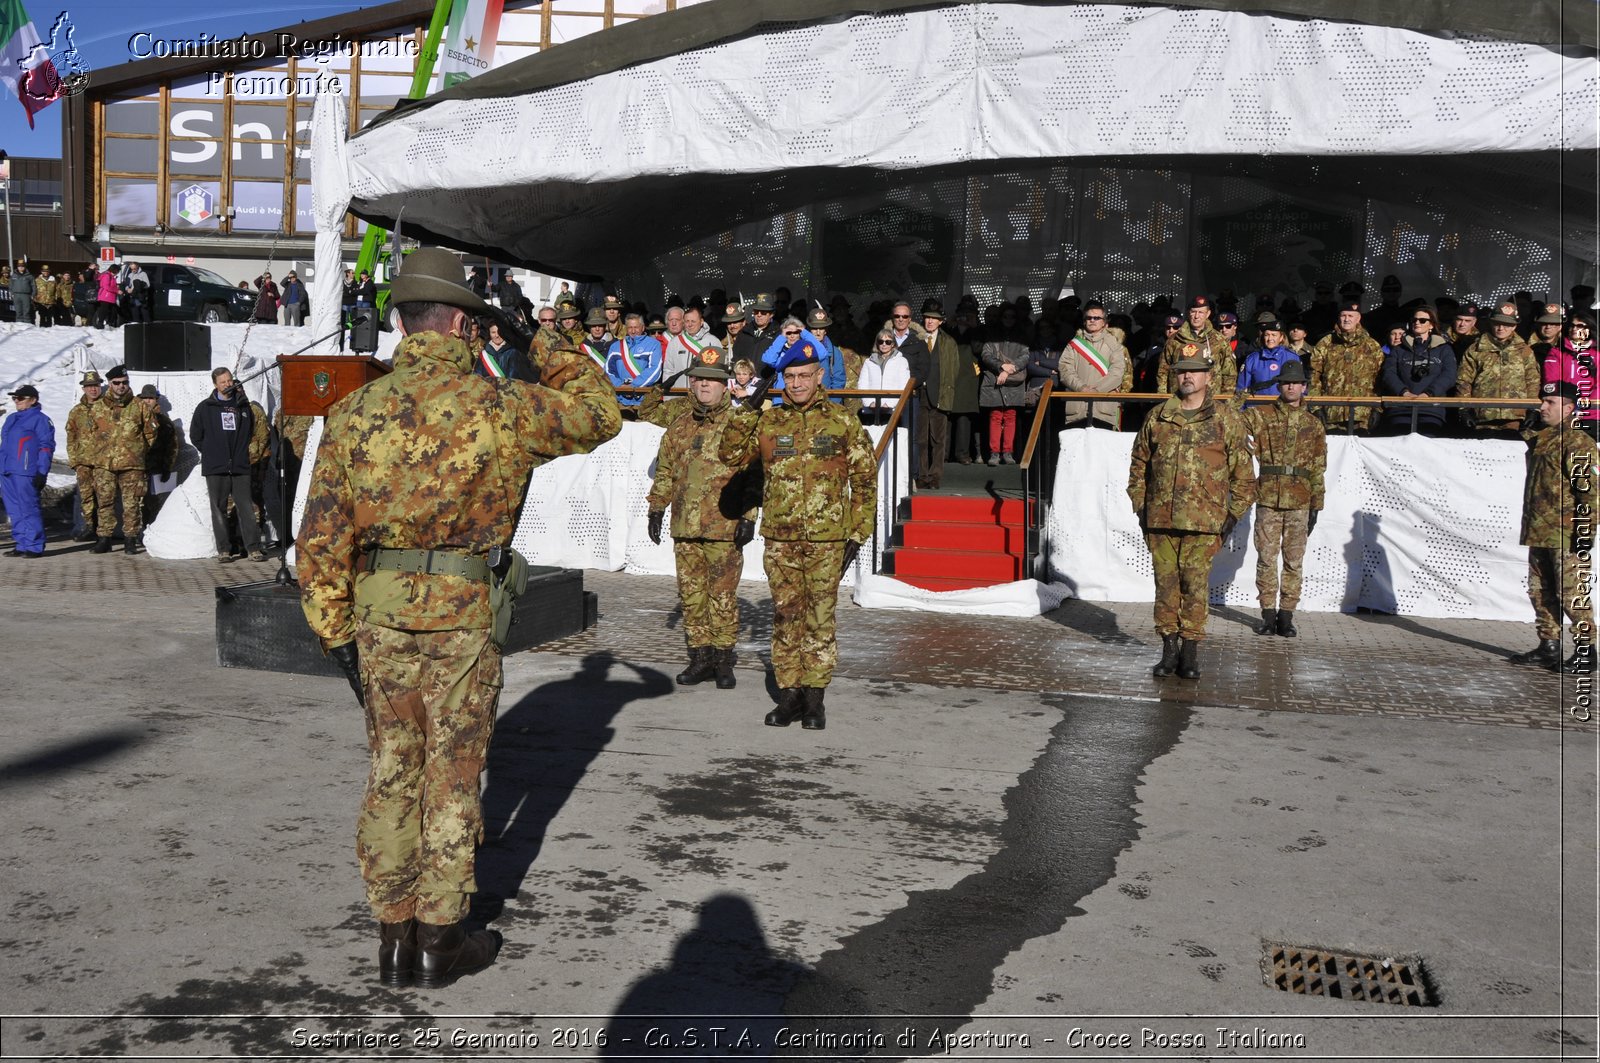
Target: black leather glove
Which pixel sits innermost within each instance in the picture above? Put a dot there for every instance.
(654, 527)
(349, 662)
(667, 384)
(851, 549)
(744, 533)
(768, 374)
(39, 480)
(1311, 521)
(1228, 525)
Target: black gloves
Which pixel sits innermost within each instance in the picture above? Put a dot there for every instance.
(654, 526)
(666, 385)
(744, 533)
(1311, 521)
(851, 549)
(1228, 525)
(348, 660)
(39, 480)
(768, 374)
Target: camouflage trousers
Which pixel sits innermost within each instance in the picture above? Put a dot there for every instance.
(708, 587)
(431, 700)
(88, 498)
(804, 581)
(1182, 561)
(1285, 531)
(132, 485)
(1558, 582)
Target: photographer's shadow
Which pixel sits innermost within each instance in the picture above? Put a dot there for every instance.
(541, 750)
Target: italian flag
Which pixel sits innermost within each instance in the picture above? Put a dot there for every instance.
(25, 66)
(1087, 352)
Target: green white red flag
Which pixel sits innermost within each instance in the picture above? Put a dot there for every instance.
(1087, 352)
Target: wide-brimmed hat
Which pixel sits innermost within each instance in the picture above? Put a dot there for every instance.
(1193, 364)
(818, 319)
(764, 303)
(1552, 315)
(733, 315)
(612, 302)
(434, 275)
(149, 392)
(710, 363)
(1500, 317)
(597, 316)
(1293, 372)
(91, 379)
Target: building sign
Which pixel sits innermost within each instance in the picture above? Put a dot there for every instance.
(194, 205)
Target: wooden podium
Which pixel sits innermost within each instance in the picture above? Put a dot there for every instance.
(313, 382)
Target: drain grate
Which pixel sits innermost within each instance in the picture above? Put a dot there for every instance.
(1316, 972)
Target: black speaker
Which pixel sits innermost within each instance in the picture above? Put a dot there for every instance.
(364, 330)
(167, 347)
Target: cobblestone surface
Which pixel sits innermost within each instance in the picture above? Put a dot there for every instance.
(1359, 665)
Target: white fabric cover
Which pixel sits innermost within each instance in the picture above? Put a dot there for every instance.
(1027, 597)
(981, 82)
(1411, 525)
(330, 199)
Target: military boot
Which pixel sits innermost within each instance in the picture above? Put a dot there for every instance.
(791, 705)
(1286, 626)
(131, 546)
(1188, 665)
(1547, 654)
(701, 666)
(722, 659)
(1580, 663)
(397, 952)
(1269, 622)
(1169, 656)
(445, 953)
(102, 545)
(85, 536)
(813, 718)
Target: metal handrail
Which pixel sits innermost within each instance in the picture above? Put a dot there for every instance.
(894, 417)
(1038, 422)
(1450, 402)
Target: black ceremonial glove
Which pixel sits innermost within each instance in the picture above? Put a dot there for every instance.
(744, 533)
(654, 526)
(1311, 521)
(39, 481)
(669, 382)
(1228, 525)
(349, 663)
(851, 549)
(768, 374)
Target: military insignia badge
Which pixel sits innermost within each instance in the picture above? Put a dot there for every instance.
(1272, 367)
(806, 349)
(321, 384)
(709, 356)
(1190, 350)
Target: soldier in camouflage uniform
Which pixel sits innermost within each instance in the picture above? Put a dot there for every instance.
(418, 475)
(819, 504)
(45, 295)
(1293, 451)
(1558, 520)
(1498, 365)
(713, 513)
(162, 456)
(1197, 339)
(1190, 481)
(1346, 362)
(123, 471)
(569, 322)
(90, 424)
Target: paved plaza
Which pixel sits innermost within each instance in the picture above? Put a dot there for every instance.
(1010, 842)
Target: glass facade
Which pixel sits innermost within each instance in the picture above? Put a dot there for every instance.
(226, 151)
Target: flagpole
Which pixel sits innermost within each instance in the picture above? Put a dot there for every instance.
(419, 88)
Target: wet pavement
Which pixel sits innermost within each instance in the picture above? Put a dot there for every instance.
(1010, 842)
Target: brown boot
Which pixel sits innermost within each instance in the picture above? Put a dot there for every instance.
(397, 952)
(445, 953)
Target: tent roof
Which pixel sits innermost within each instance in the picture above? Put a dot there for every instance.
(587, 158)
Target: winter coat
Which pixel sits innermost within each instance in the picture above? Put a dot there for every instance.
(1191, 473)
(1076, 374)
(944, 363)
(1576, 367)
(22, 284)
(1259, 369)
(89, 429)
(1429, 370)
(221, 430)
(888, 374)
(267, 302)
(106, 287)
(968, 377)
(1490, 370)
(27, 442)
(293, 292)
(1014, 392)
(133, 432)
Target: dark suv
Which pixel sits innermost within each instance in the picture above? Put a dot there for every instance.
(189, 293)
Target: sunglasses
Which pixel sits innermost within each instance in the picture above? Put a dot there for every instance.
(1422, 321)
(547, 321)
(1094, 317)
(902, 317)
(886, 343)
(792, 335)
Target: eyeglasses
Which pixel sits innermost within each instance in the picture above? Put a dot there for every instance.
(902, 317)
(119, 383)
(547, 321)
(1094, 317)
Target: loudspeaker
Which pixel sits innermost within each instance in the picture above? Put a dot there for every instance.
(167, 347)
(262, 627)
(364, 330)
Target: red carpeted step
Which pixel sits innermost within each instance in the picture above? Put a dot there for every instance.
(967, 510)
(961, 535)
(957, 564)
(946, 583)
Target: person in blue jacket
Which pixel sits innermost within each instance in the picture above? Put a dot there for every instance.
(634, 359)
(795, 341)
(1259, 369)
(28, 440)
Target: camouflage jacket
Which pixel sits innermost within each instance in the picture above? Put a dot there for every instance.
(1346, 364)
(1191, 472)
(821, 479)
(260, 435)
(1560, 486)
(1208, 344)
(46, 290)
(431, 457)
(90, 427)
(162, 457)
(134, 431)
(1288, 437)
(293, 429)
(708, 498)
(1489, 370)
